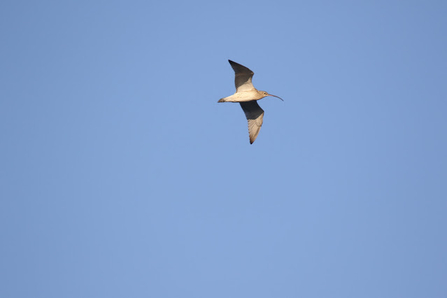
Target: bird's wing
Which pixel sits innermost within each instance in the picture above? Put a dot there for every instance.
(243, 77)
(254, 115)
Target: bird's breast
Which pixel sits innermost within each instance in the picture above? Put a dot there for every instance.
(247, 96)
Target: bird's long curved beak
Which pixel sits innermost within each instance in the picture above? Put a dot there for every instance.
(276, 96)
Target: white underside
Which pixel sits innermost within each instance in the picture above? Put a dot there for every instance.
(242, 96)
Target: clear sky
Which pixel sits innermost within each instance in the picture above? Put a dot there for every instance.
(121, 175)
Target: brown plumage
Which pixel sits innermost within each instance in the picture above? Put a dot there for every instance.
(247, 95)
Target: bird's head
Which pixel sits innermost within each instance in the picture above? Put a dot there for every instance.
(265, 93)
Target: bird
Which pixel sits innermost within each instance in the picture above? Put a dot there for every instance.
(247, 96)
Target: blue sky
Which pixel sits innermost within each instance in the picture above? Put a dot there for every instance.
(121, 175)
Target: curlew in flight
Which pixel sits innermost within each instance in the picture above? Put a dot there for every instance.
(247, 95)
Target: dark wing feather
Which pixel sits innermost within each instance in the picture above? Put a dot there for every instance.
(255, 116)
(242, 78)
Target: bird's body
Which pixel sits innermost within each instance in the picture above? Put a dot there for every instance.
(243, 96)
(247, 95)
